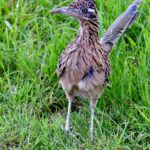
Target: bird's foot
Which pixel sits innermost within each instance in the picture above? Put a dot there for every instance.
(67, 130)
(91, 137)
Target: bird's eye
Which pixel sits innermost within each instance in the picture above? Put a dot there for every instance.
(84, 10)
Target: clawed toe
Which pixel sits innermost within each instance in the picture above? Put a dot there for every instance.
(67, 130)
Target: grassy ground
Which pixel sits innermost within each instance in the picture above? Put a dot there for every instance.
(32, 105)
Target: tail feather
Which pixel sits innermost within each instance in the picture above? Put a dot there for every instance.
(119, 26)
(133, 19)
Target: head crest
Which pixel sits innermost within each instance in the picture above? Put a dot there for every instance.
(82, 3)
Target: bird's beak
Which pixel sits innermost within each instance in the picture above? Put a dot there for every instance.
(64, 10)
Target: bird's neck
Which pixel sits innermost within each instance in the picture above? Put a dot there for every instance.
(89, 31)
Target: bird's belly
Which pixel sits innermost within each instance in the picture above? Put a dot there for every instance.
(88, 87)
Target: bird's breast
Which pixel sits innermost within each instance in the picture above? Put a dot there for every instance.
(81, 67)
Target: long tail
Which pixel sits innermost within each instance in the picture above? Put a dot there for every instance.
(119, 26)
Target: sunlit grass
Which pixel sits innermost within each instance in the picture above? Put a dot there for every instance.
(32, 105)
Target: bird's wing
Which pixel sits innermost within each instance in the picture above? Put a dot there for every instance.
(119, 26)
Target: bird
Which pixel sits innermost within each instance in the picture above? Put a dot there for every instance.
(84, 67)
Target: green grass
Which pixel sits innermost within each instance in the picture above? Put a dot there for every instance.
(32, 105)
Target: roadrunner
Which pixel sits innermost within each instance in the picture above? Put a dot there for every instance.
(84, 66)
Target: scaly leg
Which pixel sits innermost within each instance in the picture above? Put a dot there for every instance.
(67, 127)
(92, 123)
(93, 103)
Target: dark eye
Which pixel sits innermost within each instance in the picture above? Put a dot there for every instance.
(84, 10)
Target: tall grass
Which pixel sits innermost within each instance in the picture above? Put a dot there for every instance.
(32, 105)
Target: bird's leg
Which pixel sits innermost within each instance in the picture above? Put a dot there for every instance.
(92, 123)
(93, 103)
(67, 127)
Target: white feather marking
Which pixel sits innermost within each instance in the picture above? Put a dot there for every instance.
(91, 10)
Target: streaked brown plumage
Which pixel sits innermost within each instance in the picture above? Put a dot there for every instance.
(84, 67)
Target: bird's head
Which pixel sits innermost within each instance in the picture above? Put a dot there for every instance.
(80, 9)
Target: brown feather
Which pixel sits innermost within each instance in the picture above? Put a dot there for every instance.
(83, 53)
